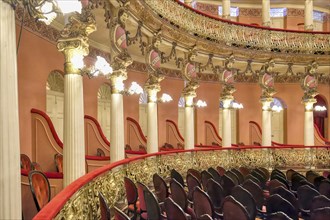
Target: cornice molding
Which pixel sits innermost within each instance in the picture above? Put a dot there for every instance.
(51, 34)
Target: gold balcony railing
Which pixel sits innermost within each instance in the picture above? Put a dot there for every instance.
(80, 199)
(240, 35)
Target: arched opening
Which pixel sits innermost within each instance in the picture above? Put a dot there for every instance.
(181, 105)
(278, 120)
(104, 108)
(321, 115)
(55, 100)
(143, 112)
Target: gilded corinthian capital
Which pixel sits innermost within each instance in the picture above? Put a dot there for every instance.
(74, 38)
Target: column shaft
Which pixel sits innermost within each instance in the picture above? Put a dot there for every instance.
(10, 181)
(152, 141)
(266, 128)
(74, 133)
(309, 15)
(226, 128)
(266, 13)
(309, 129)
(189, 139)
(117, 138)
(226, 9)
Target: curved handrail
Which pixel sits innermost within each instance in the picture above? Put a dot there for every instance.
(273, 142)
(320, 135)
(215, 130)
(50, 124)
(176, 128)
(237, 34)
(98, 126)
(248, 25)
(139, 128)
(51, 210)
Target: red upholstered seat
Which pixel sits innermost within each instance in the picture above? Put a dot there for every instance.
(174, 211)
(161, 189)
(104, 208)
(58, 158)
(120, 215)
(132, 197)
(40, 188)
(25, 162)
(142, 203)
(100, 152)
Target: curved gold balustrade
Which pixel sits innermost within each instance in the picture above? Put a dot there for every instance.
(239, 35)
(80, 199)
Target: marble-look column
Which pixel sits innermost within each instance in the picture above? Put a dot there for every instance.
(226, 123)
(266, 13)
(117, 138)
(266, 122)
(74, 45)
(309, 23)
(10, 181)
(309, 123)
(189, 136)
(152, 114)
(226, 9)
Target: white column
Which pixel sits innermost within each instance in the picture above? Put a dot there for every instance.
(309, 125)
(117, 138)
(10, 179)
(309, 15)
(226, 9)
(266, 123)
(266, 13)
(226, 124)
(152, 138)
(189, 136)
(74, 132)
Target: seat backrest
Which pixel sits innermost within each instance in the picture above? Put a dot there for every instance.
(246, 199)
(36, 166)
(317, 181)
(58, 158)
(289, 174)
(277, 172)
(100, 152)
(286, 194)
(276, 203)
(178, 194)
(321, 214)
(25, 162)
(141, 187)
(192, 182)
(177, 176)
(233, 176)
(131, 191)
(205, 177)
(265, 171)
(234, 210)
(40, 188)
(259, 175)
(320, 201)
(278, 216)
(324, 188)
(120, 215)
(296, 181)
(274, 183)
(215, 192)
(173, 210)
(305, 195)
(252, 178)
(221, 170)
(161, 189)
(256, 192)
(245, 171)
(239, 175)
(227, 184)
(215, 174)
(311, 175)
(153, 208)
(202, 203)
(195, 173)
(104, 208)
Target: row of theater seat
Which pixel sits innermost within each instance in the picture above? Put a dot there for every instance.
(27, 165)
(233, 194)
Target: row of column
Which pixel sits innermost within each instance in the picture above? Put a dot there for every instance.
(266, 19)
